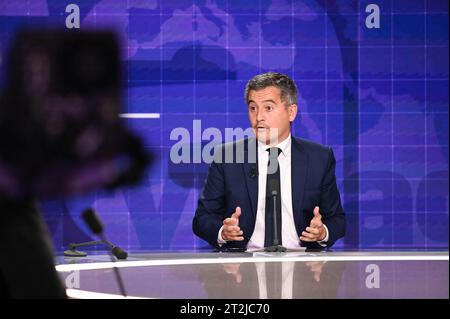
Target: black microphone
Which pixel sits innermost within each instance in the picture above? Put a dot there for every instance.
(92, 220)
(253, 173)
(274, 185)
(94, 224)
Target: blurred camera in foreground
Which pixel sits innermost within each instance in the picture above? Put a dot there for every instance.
(60, 131)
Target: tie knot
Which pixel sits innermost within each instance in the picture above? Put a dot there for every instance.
(274, 151)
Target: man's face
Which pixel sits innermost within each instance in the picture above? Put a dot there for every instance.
(270, 118)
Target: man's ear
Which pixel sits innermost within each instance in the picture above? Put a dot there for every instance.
(292, 109)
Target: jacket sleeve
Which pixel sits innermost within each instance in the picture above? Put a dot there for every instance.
(210, 211)
(333, 215)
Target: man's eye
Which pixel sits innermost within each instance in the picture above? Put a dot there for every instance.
(269, 108)
(252, 108)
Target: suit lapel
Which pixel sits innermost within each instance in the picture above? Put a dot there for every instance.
(299, 169)
(251, 173)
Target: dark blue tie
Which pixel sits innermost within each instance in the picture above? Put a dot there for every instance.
(269, 224)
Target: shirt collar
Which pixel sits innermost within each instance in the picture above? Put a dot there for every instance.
(285, 146)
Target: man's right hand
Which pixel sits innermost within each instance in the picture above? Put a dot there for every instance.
(231, 229)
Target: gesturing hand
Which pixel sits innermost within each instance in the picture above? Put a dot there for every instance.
(315, 231)
(231, 229)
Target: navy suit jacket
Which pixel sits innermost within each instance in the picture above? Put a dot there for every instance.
(229, 185)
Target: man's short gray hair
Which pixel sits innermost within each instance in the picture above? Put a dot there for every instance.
(283, 82)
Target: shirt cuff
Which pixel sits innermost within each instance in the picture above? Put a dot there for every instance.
(220, 240)
(324, 242)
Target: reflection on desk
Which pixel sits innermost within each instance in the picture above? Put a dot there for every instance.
(246, 276)
(272, 280)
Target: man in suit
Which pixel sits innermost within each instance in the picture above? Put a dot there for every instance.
(236, 207)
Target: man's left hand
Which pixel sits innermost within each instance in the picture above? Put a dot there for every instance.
(315, 231)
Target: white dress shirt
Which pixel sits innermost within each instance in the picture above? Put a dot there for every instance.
(290, 238)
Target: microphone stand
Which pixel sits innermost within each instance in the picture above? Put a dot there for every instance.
(276, 247)
(116, 250)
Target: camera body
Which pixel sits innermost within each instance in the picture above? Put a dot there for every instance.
(60, 131)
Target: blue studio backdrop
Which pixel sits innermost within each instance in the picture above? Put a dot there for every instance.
(377, 94)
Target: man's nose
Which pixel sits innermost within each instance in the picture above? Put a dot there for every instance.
(259, 116)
